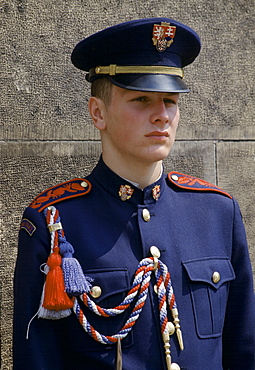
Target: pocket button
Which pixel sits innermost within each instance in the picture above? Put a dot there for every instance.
(216, 277)
(96, 291)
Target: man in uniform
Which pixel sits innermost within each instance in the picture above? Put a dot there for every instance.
(130, 268)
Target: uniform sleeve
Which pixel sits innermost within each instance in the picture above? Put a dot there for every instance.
(42, 349)
(239, 328)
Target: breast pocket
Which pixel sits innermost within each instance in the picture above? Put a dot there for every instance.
(209, 283)
(109, 288)
(113, 285)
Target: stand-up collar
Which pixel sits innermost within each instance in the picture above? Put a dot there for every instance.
(123, 189)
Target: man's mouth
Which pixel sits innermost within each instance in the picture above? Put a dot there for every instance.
(158, 133)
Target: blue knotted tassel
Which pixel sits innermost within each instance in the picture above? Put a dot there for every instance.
(75, 281)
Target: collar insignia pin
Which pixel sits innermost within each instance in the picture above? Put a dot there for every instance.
(156, 192)
(125, 192)
(163, 35)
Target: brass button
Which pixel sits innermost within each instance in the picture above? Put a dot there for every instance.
(96, 291)
(175, 366)
(97, 70)
(84, 184)
(155, 252)
(146, 215)
(216, 277)
(175, 177)
(170, 327)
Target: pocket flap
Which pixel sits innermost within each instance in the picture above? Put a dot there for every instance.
(212, 270)
(111, 281)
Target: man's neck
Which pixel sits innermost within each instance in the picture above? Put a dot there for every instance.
(140, 174)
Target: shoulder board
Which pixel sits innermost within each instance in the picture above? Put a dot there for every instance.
(193, 183)
(66, 190)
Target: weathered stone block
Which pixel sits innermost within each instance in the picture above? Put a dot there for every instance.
(236, 174)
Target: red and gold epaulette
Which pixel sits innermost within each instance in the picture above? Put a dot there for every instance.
(194, 183)
(66, 190)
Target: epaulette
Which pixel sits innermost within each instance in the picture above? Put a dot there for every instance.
(194, 183)
(66, 190)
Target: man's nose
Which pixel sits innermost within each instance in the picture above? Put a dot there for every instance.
(160, 113)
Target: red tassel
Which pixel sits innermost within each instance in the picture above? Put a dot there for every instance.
(55, 297)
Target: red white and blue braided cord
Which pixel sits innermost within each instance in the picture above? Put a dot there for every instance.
(139, 287)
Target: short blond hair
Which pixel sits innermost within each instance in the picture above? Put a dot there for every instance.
(102, 89)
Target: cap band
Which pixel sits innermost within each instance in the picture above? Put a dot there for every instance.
(114, 69)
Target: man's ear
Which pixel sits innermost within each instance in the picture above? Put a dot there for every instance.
(96, 110)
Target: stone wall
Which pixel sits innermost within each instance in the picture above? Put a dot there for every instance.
(46, 135)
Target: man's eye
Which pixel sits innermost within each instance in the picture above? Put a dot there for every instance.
(169, 101)
(141, 99)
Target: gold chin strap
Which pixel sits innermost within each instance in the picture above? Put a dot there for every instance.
(114, 69)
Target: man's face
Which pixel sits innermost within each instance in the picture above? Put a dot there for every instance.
(140, 126)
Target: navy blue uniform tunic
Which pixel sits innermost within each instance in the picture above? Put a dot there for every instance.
(197, 233)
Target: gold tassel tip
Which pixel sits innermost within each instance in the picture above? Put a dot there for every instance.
(166, 340)
(177, 327)
(118, 363)
(180, 340)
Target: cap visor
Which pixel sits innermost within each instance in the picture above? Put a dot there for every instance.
(149, 82)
